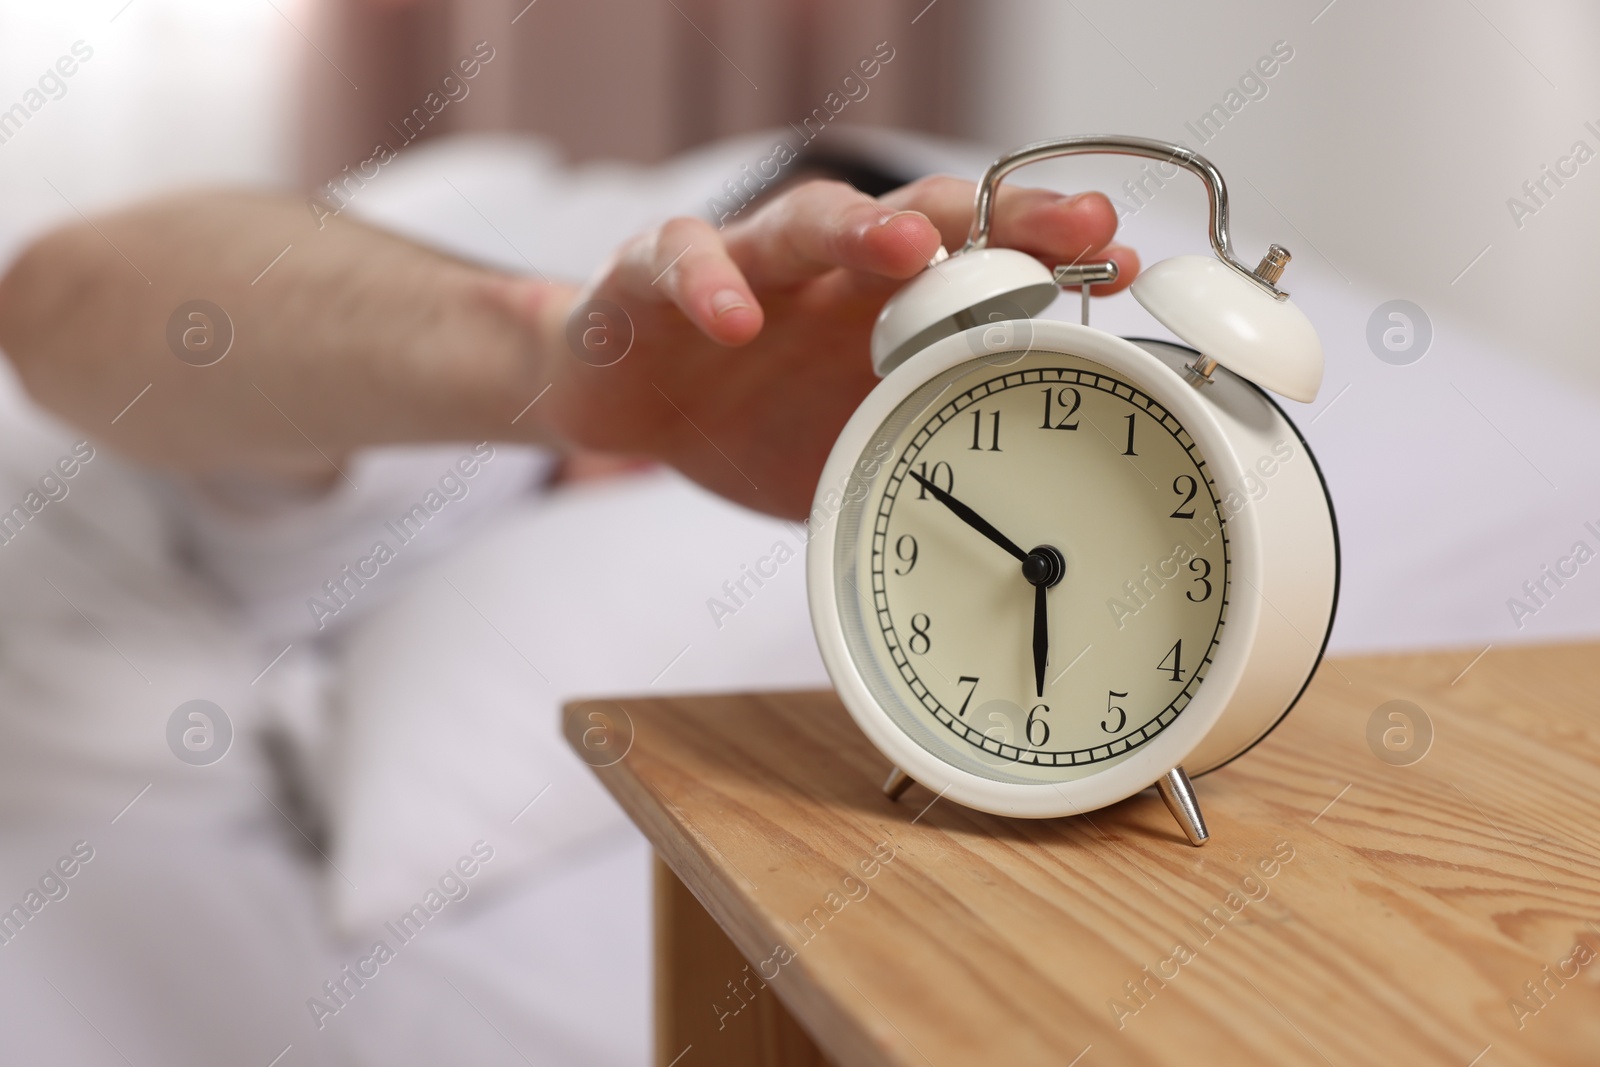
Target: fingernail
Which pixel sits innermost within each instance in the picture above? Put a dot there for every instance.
(888, 219)
(727, 300)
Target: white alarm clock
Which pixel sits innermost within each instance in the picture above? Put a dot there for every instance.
(1055, 566)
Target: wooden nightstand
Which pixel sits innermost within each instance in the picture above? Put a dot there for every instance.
(1349, 910)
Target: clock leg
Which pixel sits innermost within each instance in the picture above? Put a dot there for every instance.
(896, 784)
(1178, 792)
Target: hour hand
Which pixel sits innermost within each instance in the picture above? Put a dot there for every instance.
(970, 517)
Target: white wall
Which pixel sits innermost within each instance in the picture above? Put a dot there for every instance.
(1390, 143)
(177, 93)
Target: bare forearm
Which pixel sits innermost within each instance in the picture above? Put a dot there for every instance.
(354, 337)
(746, 348)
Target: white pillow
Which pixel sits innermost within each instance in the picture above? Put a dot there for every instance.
(450, 697)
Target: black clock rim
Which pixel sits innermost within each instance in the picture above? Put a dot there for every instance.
(1338, 555)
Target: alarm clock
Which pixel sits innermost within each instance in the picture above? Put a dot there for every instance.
(1060, 566)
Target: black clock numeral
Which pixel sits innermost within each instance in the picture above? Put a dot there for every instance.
(919, 632)
(1053, 397)
(1129, 450)
(1044, 727)
(1122, 716)
(949, 485)
(900, 552)
(1177, 487)
(1175, 655)
(1204, 578)
(977, 432)
(963, 680)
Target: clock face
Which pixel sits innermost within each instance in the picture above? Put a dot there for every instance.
(1032, 567)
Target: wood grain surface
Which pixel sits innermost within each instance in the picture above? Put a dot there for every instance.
(1348, 910)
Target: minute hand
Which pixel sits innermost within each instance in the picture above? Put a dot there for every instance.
(970, 517)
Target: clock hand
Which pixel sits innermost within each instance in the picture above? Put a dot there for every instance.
(970, 517)
(1041, 637)
(1043, 567)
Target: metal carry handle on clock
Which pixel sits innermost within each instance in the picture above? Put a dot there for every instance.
(1264, 275)
(1233, 316)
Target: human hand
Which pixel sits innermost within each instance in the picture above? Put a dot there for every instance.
(751, 345)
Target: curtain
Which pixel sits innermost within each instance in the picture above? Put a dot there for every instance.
(622, 79)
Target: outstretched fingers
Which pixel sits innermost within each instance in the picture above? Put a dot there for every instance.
(1050, 226)
(686, 263)
(820, 226)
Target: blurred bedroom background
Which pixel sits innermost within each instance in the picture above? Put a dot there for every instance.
(1430, 119)
(1444, 154)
